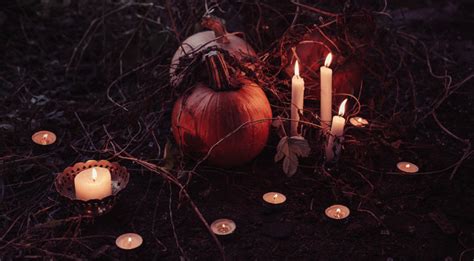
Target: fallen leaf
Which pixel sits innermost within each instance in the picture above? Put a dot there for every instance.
(289, 149)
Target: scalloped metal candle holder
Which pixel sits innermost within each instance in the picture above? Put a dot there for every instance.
(64, 184)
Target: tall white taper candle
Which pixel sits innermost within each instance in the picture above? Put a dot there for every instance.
(297, 99)
(326, 93)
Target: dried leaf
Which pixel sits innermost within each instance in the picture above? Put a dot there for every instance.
(289, 149)
(39, 100)
(443, 223)
(277, 123)
(6, 127)
(170, 155)
(396, 144)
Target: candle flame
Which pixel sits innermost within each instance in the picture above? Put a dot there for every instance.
(44, 139)
(129, 240)
(223, 228)
(338, 212)
(297, 69)
(275, 196)
(359, 119)
(94, 174)
(407, 166)
(342, 108)
(328, 60)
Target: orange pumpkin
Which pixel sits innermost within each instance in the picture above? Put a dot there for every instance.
(218, 37)
(233, 109)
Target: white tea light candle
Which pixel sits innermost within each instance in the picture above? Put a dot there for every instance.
(93, 183)
(326, 93)
(407, 167)
(297, 100)
(44, 137)
(337, 212)
(358, 122)
(274, 198)
(223, 226)
(129, 241)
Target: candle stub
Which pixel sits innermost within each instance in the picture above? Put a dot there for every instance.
(129, 241)
(407, 167)
(44, 137)
(223, 226)
(337, 212)
(274, 198)
(358, 122)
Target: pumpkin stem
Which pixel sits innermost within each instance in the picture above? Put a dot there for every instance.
(219, 78)
(217, 25)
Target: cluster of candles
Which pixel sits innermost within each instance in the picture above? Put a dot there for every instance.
(96, 182)
(226, 226)
(333, 129)
(335, 126)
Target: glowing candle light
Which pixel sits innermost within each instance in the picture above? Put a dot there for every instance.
(129, 241)
(93, 183)
(44, 137)
(274, 198)
(297, 99)
(337, 212)
(326, 93)
(223, 227)
(358, 122)
(337, 130)
(407, 167)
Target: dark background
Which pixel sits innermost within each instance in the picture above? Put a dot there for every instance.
(58, 64)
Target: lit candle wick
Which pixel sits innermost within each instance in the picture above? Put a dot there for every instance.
(94, 174)
(129, 240)
(45, 139)
(407, 166)
(359, 119)
(223, 228)
(275, 197)
(338, 213)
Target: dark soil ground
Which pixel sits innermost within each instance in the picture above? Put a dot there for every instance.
(62, 67)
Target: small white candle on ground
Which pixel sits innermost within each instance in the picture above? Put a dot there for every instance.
(93, 183)
(337, 130)
(297, 99)
(44, 137)
(274, 198)
(407, 167)
(326, 93)
(223, 226)
(129, 241)
(358, 122)
(337, 212)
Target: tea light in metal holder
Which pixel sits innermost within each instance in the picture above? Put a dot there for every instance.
(64, 184)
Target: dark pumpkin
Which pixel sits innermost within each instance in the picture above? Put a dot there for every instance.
(346, 65)
(212, 111)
